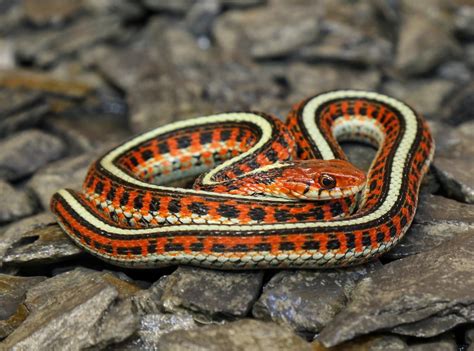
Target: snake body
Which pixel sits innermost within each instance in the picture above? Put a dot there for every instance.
(126, 217)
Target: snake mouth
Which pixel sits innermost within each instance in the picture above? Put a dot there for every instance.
(328, 194)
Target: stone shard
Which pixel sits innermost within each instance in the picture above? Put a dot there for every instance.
(14, 204)
(429, 300)
(211, 293)
(12, 294)
(25, 152)
(244, 334)
(76, 310)
(455, 176)
(307, 300)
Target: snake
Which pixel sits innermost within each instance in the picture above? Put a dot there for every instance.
(268, 193)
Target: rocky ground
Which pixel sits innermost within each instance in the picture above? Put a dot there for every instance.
(76, 77)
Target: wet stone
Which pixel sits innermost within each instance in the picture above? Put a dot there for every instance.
(25, 152)
(12, 295)
(41, 246)
(455, 176)
(211, 293)
(66, 173)
(307, 300)
(14, 204)
(244, 334)
(76, 310)
(429, 300)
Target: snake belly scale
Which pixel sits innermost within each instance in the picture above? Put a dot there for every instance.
(126, 217)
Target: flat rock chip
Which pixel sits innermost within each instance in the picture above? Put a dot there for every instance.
(437, 220)
(47, 48)
(418, 53)
(65, 173)
(12, 295)
(274, 31)
(211, 293)
(455, 176)
(25, 152)
(307, 301)
(13, 233)
(14, 204)
(242, 335)
(308, 80)
(41, 246)
(76, 310)
(424, 95)
(435, 295)
(152, 327)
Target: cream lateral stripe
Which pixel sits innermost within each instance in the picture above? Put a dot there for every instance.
(259, 121)
(396, 176)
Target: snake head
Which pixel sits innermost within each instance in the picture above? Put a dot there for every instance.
(321, 179)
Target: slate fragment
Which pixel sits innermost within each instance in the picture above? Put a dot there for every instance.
(14, 204)
(245, 334)
(76, 310)
(429, 300)
(211, 293)
(438, 219)
(41, 246)
(306, 301)
(455, 177)
(25, 152)
(12, 295)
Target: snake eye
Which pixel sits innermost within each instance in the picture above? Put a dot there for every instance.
(327, 181)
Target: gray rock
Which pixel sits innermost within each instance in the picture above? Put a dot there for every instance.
(25, 152)
(457, 71)
(447, 343)
(418, 53)
(455, 176)
(14, 204)
(76, 310)
(241, 3)
(470, 339)
(13, 233)
(307, 80)
(424, 95)
(174, 6)
(345, 43)
(20, 110)
(50, 11)
(307, 301)
(360, 155)
(273, 31)
(201, 16)
(244, 334)
(41, 246)
(453, 142)
(460, 107)
(469, 55)
(65, 173)
(211, 293)
(152, 327)
(429, 300)
(148, 301)
(464, 21)
(46, 49)
(12, 295)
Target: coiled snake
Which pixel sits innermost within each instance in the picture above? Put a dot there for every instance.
(252, 207)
